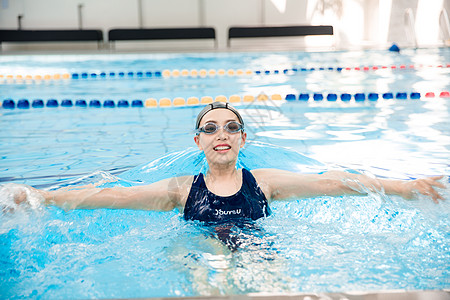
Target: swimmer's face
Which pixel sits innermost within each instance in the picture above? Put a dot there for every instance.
(221, 147)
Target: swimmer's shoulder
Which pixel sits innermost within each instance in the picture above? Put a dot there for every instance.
(262, 175)
(270, 180)
(268, 173)
(263, 179)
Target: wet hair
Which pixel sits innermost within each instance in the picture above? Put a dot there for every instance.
(216, 105)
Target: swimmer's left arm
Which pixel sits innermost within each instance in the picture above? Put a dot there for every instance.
(280, 184)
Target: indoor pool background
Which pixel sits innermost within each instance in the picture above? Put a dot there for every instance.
(307, 245)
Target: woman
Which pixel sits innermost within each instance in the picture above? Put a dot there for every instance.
(225, 193)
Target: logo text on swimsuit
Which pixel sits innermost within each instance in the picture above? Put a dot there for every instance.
(219, 212)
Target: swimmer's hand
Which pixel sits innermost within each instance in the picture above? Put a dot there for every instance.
(426, 186)
(12, 195)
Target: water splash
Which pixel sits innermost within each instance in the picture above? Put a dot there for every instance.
(192, 161)
(13, 196)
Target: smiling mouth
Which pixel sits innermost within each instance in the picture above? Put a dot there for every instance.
(222, 148)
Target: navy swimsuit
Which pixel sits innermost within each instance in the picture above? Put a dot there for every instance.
(249, 203)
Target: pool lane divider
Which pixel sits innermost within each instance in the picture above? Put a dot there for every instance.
(179, 101)
(197, 73)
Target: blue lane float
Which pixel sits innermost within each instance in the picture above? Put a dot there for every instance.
(37, 103)
(109, 104)
(318, 97)
(290, 97)
(81, 103)
(360, 97)
(52, 103)
(123, 103)
(388, 96)
(373, 96)
(66, 103)
(303, 97)
(137, 103)
(415, 96)
(9, 104)
(23, 103)
(331, 97)
(346, 97)
(95, 103)
(401, 96)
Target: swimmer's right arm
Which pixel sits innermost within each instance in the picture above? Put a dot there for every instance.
(163, 195)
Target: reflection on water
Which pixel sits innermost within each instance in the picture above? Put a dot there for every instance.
(385, 136)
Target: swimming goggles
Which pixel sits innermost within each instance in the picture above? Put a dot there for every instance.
(211, 128)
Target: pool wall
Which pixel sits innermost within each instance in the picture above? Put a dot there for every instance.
(356, 23)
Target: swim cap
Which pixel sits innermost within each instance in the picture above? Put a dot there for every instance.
(216, 105)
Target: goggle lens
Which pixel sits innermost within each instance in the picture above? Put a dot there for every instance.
(211, 128)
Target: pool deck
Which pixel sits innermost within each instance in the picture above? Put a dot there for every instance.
(382, 295)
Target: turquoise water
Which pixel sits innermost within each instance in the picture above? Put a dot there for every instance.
(322, 244)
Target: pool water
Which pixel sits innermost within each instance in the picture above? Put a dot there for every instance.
(323, 244)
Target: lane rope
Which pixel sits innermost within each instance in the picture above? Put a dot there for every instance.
(202, 73)
(179, 101)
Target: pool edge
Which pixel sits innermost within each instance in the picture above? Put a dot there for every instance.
(354, 295)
